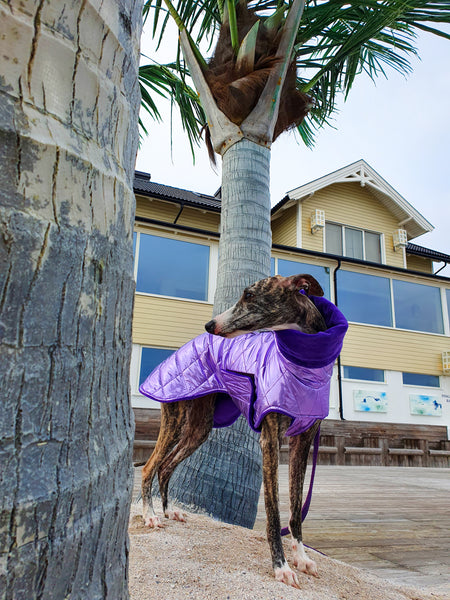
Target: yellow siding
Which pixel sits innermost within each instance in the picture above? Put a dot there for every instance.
(393, 349)
(284, 228)
(167, 211)
(156, 209)
(353, 205)
(417, 263)
(166, 322)
(201, 219)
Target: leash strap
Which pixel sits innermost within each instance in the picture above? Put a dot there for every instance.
(305, 507)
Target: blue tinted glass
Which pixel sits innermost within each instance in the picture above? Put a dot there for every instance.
(364, 298)
(272, 267)
(363, 373)
(172, 268)
(417, 307)
(448, 303)
(134, 243)
(421, 380)
(291, 267)
(150, 358)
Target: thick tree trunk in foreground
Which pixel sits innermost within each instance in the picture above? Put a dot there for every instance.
(224, 476)
(68, 126)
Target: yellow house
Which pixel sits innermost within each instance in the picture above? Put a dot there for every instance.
(351, 230)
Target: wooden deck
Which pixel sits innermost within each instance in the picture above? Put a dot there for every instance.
(393, 521)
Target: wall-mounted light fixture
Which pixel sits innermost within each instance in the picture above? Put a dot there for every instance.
(400, 237)
(446, 362)
(317, 220)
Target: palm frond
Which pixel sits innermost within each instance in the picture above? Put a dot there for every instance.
(169, 82)
(336, 41)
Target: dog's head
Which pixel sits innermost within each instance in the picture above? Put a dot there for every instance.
(272, 303)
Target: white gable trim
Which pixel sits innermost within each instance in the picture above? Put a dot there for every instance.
(362, 173)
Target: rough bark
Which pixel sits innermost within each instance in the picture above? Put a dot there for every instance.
(223, 477)
(68, 126)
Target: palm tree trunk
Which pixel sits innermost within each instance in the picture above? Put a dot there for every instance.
(69, 98)
(223, 478)
(245, 236)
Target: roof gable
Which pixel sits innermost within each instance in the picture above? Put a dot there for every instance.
(360, 172)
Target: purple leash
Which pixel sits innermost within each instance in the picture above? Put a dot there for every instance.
(305, 507)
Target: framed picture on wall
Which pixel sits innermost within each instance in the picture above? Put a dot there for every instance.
(430, 406)
(370, 401)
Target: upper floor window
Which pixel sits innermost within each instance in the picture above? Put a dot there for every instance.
(418, 307)
(171, 267)
(374, 300)
(365, 298)
(351, 242)
(447, 295)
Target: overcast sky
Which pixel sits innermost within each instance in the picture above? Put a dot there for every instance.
(401, 127)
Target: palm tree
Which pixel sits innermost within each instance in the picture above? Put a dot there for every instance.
(274, 64)
(68, 122)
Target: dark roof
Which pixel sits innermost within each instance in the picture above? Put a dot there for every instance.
(427, 253)
(143, 185)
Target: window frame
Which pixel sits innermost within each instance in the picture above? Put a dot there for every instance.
(421, 385)
(212, 262)
(363, 231)
(143, 347)
(359, 380)
(391, 279)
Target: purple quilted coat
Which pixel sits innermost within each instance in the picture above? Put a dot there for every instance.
(256, 373)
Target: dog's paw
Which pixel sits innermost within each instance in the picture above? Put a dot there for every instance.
(152, 521)
(286, 575)
(302, 561)
(175, 515)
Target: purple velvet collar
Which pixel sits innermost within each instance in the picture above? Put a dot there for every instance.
(318, 349)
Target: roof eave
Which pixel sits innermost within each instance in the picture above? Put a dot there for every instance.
(361, 172)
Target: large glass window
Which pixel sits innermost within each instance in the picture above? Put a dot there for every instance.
(172, 268)
(421, 380)
(417, 307)
(351, 242)
(364, 298)
(372, 246)
(447, 292)
(151, 358)
(354, 243)
(363, 373)
(333, 239)
(291, 267)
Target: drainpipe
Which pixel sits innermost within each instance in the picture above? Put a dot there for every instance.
(341, 402)
(179, 212)
(445, 264)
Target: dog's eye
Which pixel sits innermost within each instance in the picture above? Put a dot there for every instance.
(248, 296)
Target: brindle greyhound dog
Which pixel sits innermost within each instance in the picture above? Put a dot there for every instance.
(272, 303)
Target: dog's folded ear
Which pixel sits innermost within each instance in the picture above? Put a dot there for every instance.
(307, 283)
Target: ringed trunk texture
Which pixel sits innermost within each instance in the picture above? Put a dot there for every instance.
(69, 98)
(223, 477)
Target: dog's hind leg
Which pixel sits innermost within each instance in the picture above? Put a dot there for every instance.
(299, 446)
(270, 443)
(169, 435)
(196, 427)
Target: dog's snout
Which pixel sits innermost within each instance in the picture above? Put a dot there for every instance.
(210, 326)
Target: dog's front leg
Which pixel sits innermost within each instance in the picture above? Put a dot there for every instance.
(298, 459)
(270, 453)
